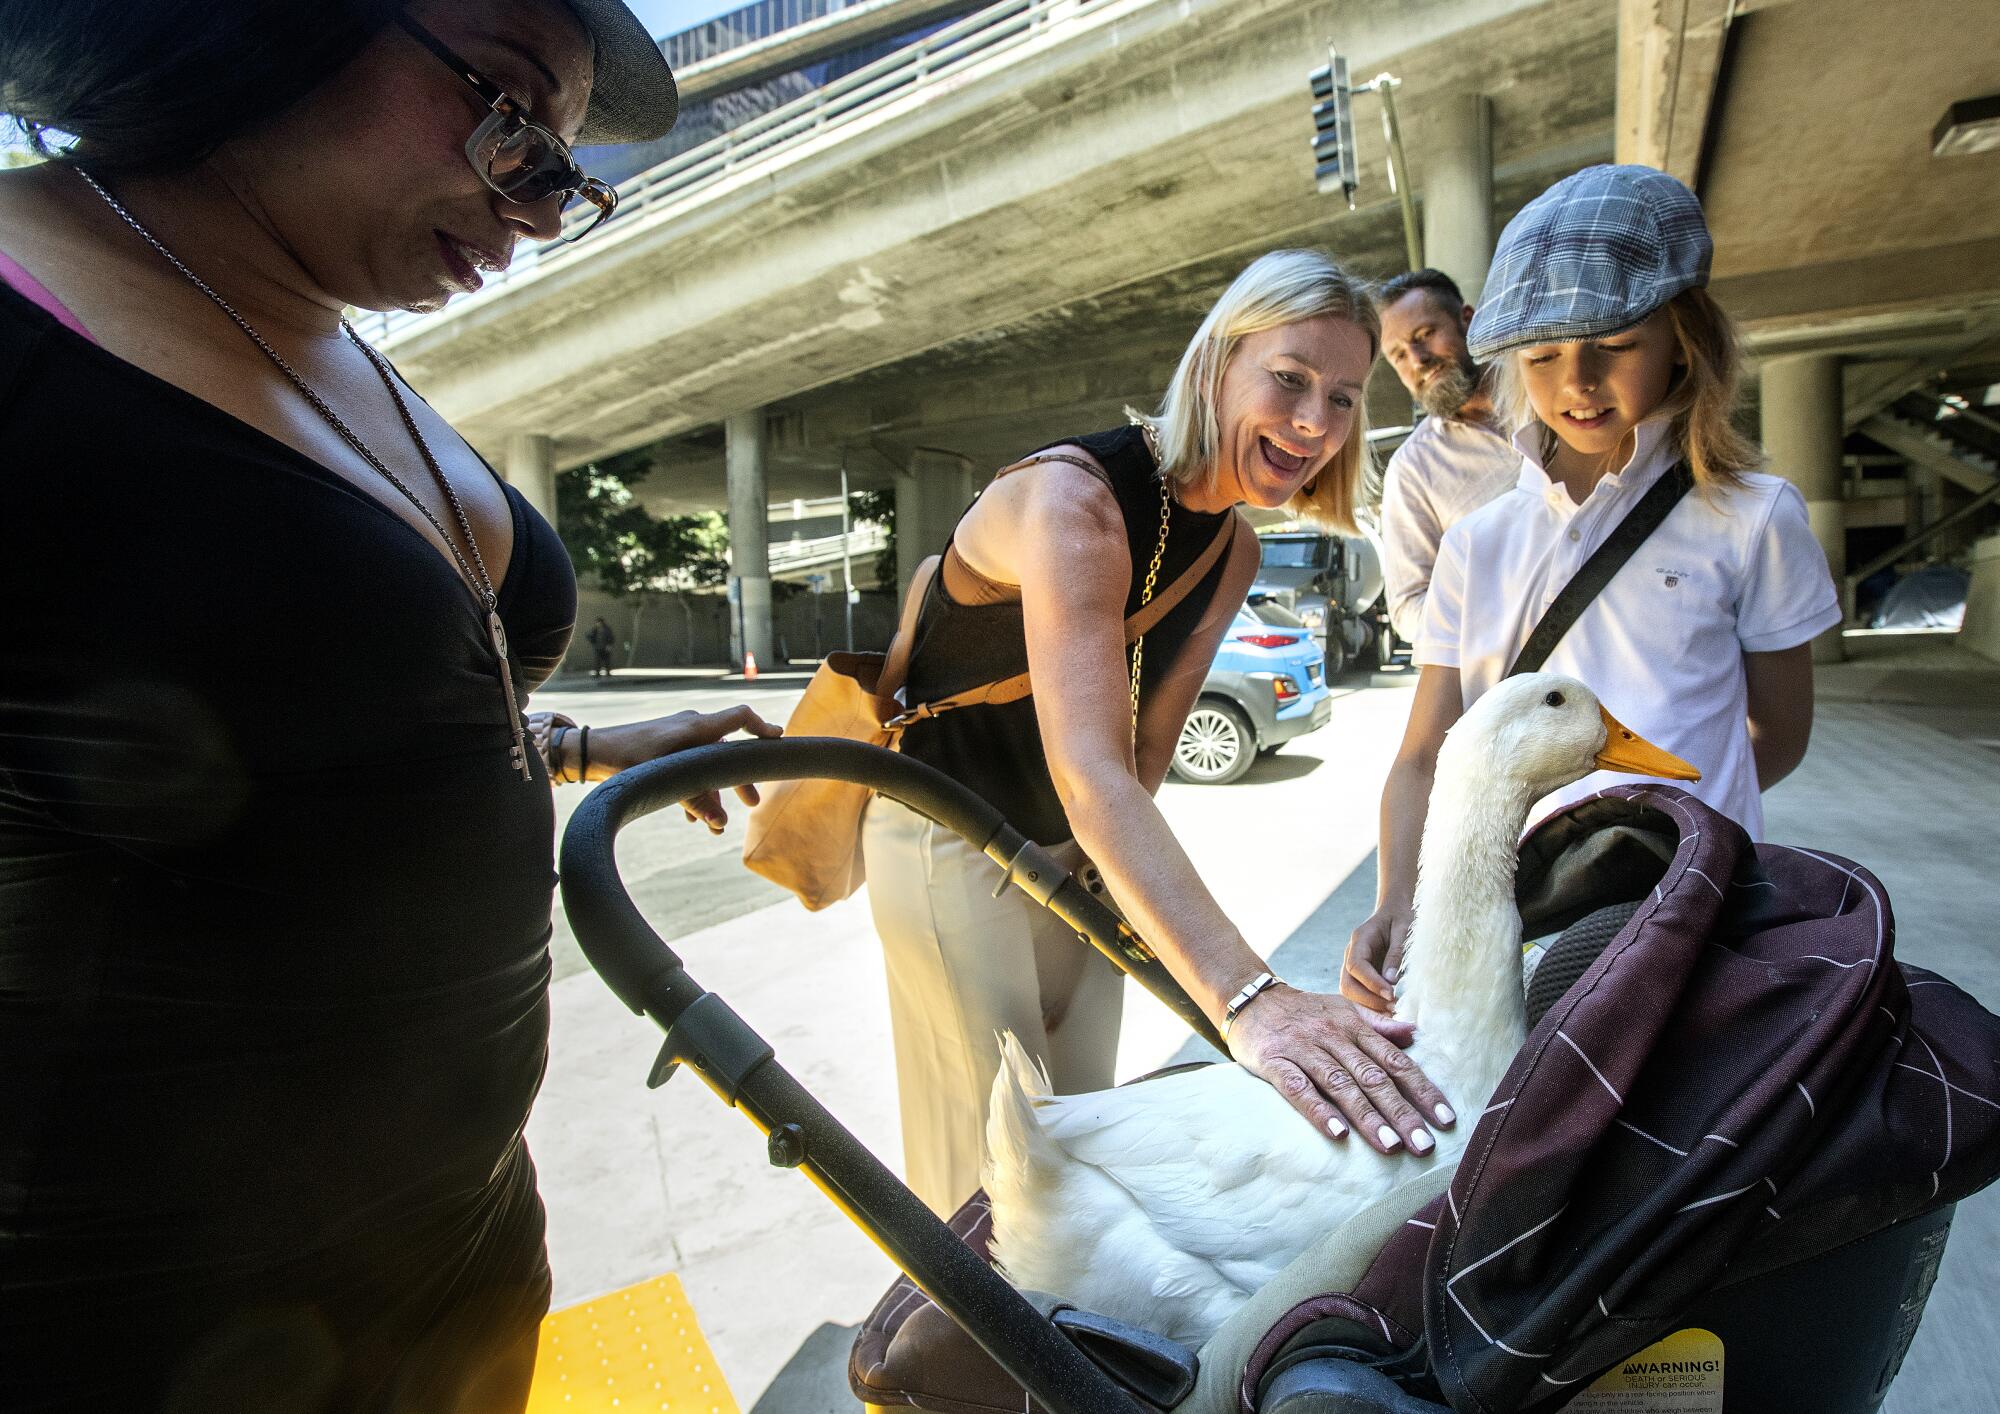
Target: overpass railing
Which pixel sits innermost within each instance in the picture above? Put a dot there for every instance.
(794, 557)
(937, 58)
(759, 20)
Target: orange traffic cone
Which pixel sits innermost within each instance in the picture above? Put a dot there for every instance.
(749, 666)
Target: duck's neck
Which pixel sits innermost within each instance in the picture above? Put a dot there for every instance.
(1462, 969)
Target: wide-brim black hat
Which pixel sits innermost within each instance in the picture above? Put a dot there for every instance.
(632, 92)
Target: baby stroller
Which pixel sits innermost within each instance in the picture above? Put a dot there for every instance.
(1799, 1233)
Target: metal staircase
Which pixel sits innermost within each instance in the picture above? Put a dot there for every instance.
(1940, 434)
(1946, 435)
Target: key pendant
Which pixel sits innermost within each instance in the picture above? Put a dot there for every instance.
(518, 756)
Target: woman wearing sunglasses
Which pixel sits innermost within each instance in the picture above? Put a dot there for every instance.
(275, 840)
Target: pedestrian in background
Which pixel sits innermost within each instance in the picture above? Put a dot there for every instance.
(602, 640)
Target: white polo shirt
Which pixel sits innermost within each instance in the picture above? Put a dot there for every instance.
(1727, 573)
(1444, 471)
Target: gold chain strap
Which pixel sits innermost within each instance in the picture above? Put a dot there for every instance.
(1146, 597)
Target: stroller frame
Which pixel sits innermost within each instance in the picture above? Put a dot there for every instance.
(740, 1066)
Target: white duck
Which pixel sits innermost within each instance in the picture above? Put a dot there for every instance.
(1168, 1203)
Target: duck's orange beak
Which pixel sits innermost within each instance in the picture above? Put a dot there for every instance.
(1626, 750)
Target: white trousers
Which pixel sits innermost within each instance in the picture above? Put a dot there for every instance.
(964, 966)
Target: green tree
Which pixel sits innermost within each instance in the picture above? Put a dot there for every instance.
(628, 552)
(878, 508)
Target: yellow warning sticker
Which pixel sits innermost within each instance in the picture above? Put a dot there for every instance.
(1679, 1375)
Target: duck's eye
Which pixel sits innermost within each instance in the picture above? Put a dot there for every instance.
(1554, 699)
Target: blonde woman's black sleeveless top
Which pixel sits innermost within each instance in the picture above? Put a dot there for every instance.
(997, 751)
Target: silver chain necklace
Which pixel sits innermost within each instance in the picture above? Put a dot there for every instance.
(474, 573)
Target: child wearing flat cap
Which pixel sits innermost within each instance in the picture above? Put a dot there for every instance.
(1616, 370)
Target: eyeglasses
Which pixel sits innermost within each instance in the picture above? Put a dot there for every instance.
(521, 160)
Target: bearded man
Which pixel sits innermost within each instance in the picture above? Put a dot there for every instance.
(1457, 459)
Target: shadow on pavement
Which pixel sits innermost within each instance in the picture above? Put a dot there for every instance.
(814, 1380)
(1280, 768)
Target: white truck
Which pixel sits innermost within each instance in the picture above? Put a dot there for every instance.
(1332, 582)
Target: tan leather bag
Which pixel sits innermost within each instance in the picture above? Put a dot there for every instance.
(806, 834)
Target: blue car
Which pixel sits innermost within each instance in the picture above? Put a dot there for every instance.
(1267, 685)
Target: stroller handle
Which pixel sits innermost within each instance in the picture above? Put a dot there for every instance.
(704, 1033)
(633, 960)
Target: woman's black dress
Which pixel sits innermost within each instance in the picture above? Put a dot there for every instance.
(274, 913)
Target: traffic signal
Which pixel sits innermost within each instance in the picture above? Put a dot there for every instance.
(1335, 161)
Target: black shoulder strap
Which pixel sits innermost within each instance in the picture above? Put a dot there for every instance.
(1610, 557)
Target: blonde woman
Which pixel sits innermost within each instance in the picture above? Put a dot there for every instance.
(1040, 574)
(1614, 365)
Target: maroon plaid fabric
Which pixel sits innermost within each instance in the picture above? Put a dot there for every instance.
(1744, 1079)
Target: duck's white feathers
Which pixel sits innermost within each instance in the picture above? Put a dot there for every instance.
(1147, 1203)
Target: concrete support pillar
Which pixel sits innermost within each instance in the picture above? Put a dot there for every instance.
(749, 538)
(1458, 189)
(930, 496)
(1802, 436)
(531, 469)
(1982, 601)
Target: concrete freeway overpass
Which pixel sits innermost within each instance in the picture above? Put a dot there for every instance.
(1012, 236)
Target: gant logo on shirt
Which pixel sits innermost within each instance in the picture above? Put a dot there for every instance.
(1670, 578)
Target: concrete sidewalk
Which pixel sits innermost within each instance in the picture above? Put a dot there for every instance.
(1904, 776)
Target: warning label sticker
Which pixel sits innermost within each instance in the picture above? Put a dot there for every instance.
(1679, 1375)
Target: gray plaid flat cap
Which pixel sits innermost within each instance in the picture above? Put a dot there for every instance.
(1597, 252)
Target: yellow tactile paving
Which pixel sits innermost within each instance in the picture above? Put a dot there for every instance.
(637, 1351)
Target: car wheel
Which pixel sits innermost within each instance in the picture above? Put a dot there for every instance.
(1216, 745)
(1336, 653)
